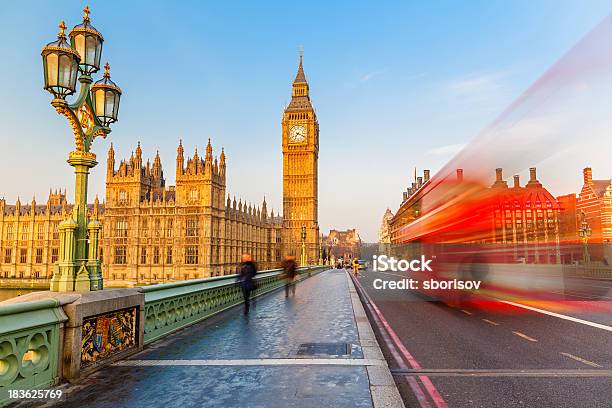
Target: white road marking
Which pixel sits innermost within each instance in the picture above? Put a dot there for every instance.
(582, 360)
(466, 312)
(523, 335)
(490, 322)
(256, 362)
(559, 315)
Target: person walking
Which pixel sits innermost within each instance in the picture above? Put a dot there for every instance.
(289, 271)
(248, 270)
(356, 267)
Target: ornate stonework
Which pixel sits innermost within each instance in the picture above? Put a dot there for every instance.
(300, 140)
(151, 232)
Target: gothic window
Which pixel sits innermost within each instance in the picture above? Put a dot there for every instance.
(123, 197)
(143, 256)
(23, 255)
(193, 195)
(8, 255)
(191, 255)
(41, 231)
(144, 229)
(156, 255)
(169, 255)
(157, 227)
(9, 232)
(55, 230)
(39, 255)
(191, 227)
(122, 228)
(120, 255)
(101, 255)
(24, 232)
(55, 255)
(169, 228)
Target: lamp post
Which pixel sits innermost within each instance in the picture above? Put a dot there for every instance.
(321, 249)
(95, 109)
(303, 255)
(585, 232)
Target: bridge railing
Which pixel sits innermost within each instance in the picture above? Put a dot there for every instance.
(172, 306)
(48, 336)
(30, 345)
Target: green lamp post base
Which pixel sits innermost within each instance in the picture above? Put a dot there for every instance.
(79, 269)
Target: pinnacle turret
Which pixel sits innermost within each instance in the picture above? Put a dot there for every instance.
(300, 77)
(209, 151)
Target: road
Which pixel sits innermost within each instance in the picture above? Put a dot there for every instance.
(499, 356)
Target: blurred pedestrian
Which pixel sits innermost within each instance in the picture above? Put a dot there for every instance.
(248, 270)
(289, 271)
(356, 267)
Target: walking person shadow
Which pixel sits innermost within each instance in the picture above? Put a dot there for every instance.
(289, 271)
(248, 270)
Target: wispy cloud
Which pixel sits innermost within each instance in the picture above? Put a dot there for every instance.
(446, 150)
(479, 83)
(481, 86)
(370, 75)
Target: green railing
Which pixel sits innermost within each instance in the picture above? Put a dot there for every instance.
(172, 306)
(29, 345)
(31, 332)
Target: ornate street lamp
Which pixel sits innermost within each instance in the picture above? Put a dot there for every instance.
(106, 95)
(60, 64)
(87, 41)
(303, 236)
(95, 109)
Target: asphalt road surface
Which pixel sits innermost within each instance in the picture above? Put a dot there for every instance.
(501, 355)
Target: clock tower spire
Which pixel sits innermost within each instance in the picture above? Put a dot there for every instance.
(300, 140)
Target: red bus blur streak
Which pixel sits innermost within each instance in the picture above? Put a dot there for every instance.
(431, 389)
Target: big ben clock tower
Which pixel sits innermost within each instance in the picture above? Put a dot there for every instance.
(300, 174)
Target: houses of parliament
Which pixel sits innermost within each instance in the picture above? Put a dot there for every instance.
(157, 233)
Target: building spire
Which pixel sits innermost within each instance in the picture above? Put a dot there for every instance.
(222, 157)
(300, 77)
(209, 150)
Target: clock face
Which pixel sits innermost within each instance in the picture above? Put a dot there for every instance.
(297, 134)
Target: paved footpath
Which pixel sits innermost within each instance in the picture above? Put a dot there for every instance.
(316, 349)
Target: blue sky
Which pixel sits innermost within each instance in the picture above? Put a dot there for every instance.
(396, 86)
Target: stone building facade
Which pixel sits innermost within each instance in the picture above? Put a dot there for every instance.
(29, 236)
(151, 232)
(154, 233)
(384, 234)
(344, 244)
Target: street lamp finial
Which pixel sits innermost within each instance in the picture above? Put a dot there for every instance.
(62, 27)
(107, 70)
(86, 14)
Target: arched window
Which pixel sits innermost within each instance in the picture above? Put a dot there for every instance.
(121, 229)
(193, 195)
(123, 197)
